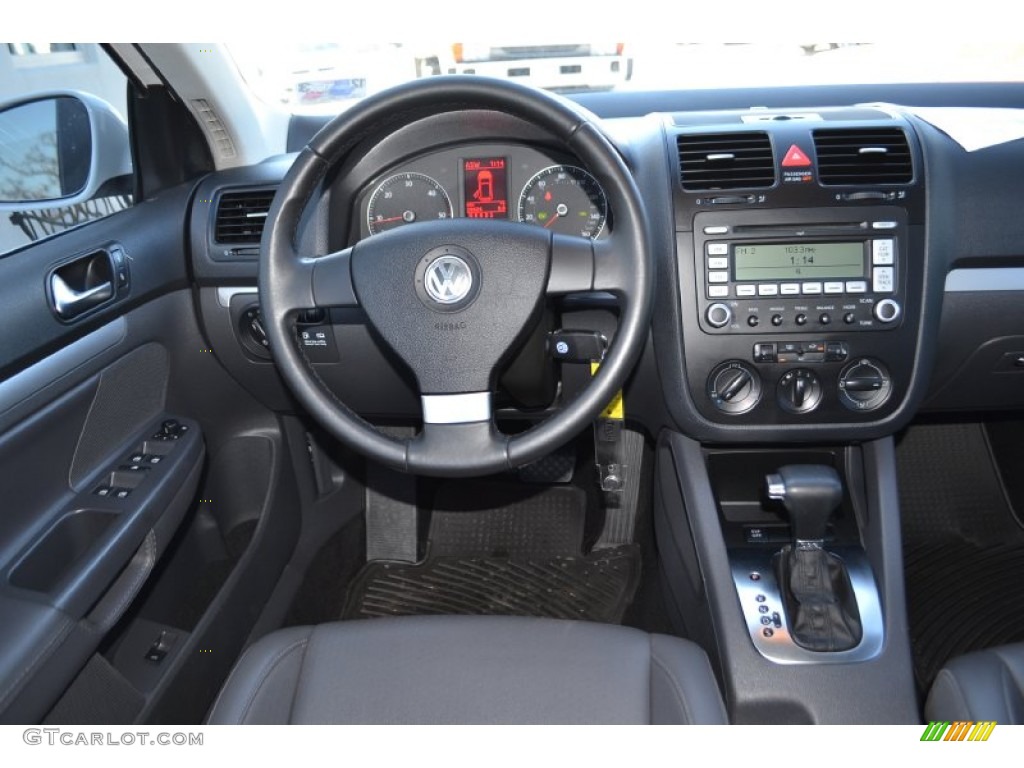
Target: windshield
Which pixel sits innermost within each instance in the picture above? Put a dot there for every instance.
(325, 78)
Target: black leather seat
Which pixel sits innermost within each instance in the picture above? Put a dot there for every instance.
(469, 669)
(984, 685)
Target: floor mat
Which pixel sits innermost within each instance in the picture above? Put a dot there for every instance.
(596, 587)
(503, 549)
(506, 520)
(963, 548)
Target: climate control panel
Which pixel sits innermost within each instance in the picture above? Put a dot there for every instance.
(798, 377)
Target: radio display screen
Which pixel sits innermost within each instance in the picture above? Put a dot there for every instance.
(486, 190)
(798, 261)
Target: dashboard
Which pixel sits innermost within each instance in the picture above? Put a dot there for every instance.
(815, 279)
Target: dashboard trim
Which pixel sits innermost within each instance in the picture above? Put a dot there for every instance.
(988, 279)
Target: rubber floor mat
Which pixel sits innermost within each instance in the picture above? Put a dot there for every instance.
(504, 549)
(596, 587)
(506, 520)
(963, 549)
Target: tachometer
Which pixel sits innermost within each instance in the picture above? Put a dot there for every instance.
(565, 199)
(405, 198)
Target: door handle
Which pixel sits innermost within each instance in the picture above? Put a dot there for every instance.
(69, 302)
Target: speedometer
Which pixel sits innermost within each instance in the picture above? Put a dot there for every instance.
(406, 198)
(564, 199)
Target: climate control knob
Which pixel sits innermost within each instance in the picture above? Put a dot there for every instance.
(799, 391)
(718, 315)
(864, 385)
(887, 311)
(734, 387)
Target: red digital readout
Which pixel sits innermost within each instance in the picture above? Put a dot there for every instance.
(486, 190)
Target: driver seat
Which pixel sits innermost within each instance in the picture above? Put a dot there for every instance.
(469, 669)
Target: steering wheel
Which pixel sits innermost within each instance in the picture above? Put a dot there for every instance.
(454, 297)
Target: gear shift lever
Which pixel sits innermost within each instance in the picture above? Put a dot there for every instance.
(819, 602)
(810, 494)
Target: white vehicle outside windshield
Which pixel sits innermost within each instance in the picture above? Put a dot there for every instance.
(326, 78)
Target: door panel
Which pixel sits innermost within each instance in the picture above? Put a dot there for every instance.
(82, 408)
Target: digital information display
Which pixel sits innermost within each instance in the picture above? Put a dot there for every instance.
(798, 261)
(486, 190)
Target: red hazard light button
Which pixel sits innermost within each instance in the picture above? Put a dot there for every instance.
(795, 157)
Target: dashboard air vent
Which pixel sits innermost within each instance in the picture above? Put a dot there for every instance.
(863, 156)
(241, 216)
(725, 161)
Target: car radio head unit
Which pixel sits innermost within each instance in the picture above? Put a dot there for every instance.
(758, 276)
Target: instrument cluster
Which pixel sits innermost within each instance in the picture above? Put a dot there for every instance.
(487, 181)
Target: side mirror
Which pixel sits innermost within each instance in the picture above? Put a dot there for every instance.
(59, 149)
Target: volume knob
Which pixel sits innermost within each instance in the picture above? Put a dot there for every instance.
(719, 315)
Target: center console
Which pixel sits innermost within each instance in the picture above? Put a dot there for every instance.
(806, 300)
(801, 303)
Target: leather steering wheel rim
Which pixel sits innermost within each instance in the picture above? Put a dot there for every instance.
(621, 265)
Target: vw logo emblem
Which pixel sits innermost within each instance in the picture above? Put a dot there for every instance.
(448, 280)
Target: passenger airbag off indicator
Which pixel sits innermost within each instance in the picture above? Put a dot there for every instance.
(796, 166)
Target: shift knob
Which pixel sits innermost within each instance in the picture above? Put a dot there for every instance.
(810, 493)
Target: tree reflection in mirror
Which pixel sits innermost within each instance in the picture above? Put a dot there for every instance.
(45, 150)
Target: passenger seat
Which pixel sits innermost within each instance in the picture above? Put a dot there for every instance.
(984, 685)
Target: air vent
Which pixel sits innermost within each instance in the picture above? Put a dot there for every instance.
(241, 215)
(859, 156)
(725, 161)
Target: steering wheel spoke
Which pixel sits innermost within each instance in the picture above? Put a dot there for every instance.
(460, 449)
(572, 265)
(611, 273)
(463, 408)
(331, 279)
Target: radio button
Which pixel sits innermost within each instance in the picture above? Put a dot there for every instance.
(718, 262)
(715, 230)
(790, 289)
(746, 290)
(883, 251)
(811, 288)
(833, 287)
(857, 286)
(878, 225)
(718, 277)
(718, 249)
(881, 280)
(767, 289)
(718, 291)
